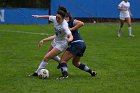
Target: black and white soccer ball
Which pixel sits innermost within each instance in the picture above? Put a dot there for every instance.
(43, 73)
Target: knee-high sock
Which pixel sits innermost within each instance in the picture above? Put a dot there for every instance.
(42, 65)
(57, 58)
(85, 68)
(64, 69)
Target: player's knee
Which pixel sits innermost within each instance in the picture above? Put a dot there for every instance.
(76, 64)
(129, 25)
(62, 61)
(46, 58)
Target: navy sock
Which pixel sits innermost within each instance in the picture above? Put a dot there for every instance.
(85, 68)
(63, 67)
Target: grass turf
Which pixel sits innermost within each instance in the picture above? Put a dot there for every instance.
(116, 60)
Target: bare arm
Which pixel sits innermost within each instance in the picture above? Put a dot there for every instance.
(77, 24)
(46, 40)
(121, 8)
(69, 37)
(41, 16)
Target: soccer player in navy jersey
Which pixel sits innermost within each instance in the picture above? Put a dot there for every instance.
(75, 50)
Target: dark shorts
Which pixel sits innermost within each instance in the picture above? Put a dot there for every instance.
(77, 48)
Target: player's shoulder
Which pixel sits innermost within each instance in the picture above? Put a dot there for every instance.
(51, 17)
(64, 24)
(122, 2)
(71, 21)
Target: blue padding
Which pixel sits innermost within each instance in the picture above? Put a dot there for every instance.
(22, 16)
(95, 8)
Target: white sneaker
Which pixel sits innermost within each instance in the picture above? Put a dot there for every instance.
(132, 35)
(119, 35)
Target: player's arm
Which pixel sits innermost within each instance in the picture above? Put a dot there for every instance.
(41, 16)
(77, 24)
(121, 8)
(46, 40)
(69, 37)
(130, 12)
(68, 32)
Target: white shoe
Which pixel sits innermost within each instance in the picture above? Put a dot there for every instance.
(132, 35)
(119, 35)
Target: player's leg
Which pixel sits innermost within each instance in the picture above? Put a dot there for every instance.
(56, 58)
(129, 27)
(120, 27)
(63, 65)
(52, 53)
(76, 63)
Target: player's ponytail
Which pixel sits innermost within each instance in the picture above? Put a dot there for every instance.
(69, 15)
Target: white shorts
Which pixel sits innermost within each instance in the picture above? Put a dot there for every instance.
(124, 16)
(60, 45)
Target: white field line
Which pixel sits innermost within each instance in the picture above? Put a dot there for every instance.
(23, 32)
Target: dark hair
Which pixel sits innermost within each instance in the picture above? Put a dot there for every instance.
(63, 9)
(69, 15)
(62, 13)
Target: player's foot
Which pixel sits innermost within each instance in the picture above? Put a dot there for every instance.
(62, 77)
(119, 35)
(33, 74)
(93, 73)
(132, 35)
(58, 67)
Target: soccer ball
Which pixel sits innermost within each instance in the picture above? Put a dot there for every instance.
(43, 73)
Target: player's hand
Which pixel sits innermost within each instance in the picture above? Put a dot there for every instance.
(36, 16)
(40, 43)
(70, 29)
(125, 9)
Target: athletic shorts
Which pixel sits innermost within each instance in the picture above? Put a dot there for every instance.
(77, 48)
(124, 16)
(60, 45)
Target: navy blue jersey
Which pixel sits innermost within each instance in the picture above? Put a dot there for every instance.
(75, 33)
(77, 47)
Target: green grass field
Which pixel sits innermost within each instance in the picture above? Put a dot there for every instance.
(116, 60)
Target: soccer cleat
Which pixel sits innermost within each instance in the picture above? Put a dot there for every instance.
(119, 35)
(62, 77)
(93, 73)
(58, 67)
(132, 35)
(34, 74)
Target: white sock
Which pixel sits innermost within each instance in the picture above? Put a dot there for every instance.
(42, 65)
(130, 30)
(57, 58)
(119, 30)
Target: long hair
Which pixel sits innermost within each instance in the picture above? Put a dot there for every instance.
(67, 14)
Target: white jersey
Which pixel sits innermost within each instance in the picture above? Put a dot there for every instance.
(125, 5)
(61, 31)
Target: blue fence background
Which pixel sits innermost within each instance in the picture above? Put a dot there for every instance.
(95, 8)
(78, 8)
(22, 16)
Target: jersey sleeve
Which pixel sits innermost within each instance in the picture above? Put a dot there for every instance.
(120, 5)
(66, 29)
(52, 18)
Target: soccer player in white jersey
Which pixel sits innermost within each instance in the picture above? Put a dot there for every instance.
(125, 14)
(60, 39)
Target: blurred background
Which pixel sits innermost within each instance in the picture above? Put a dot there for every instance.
(90, 11)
